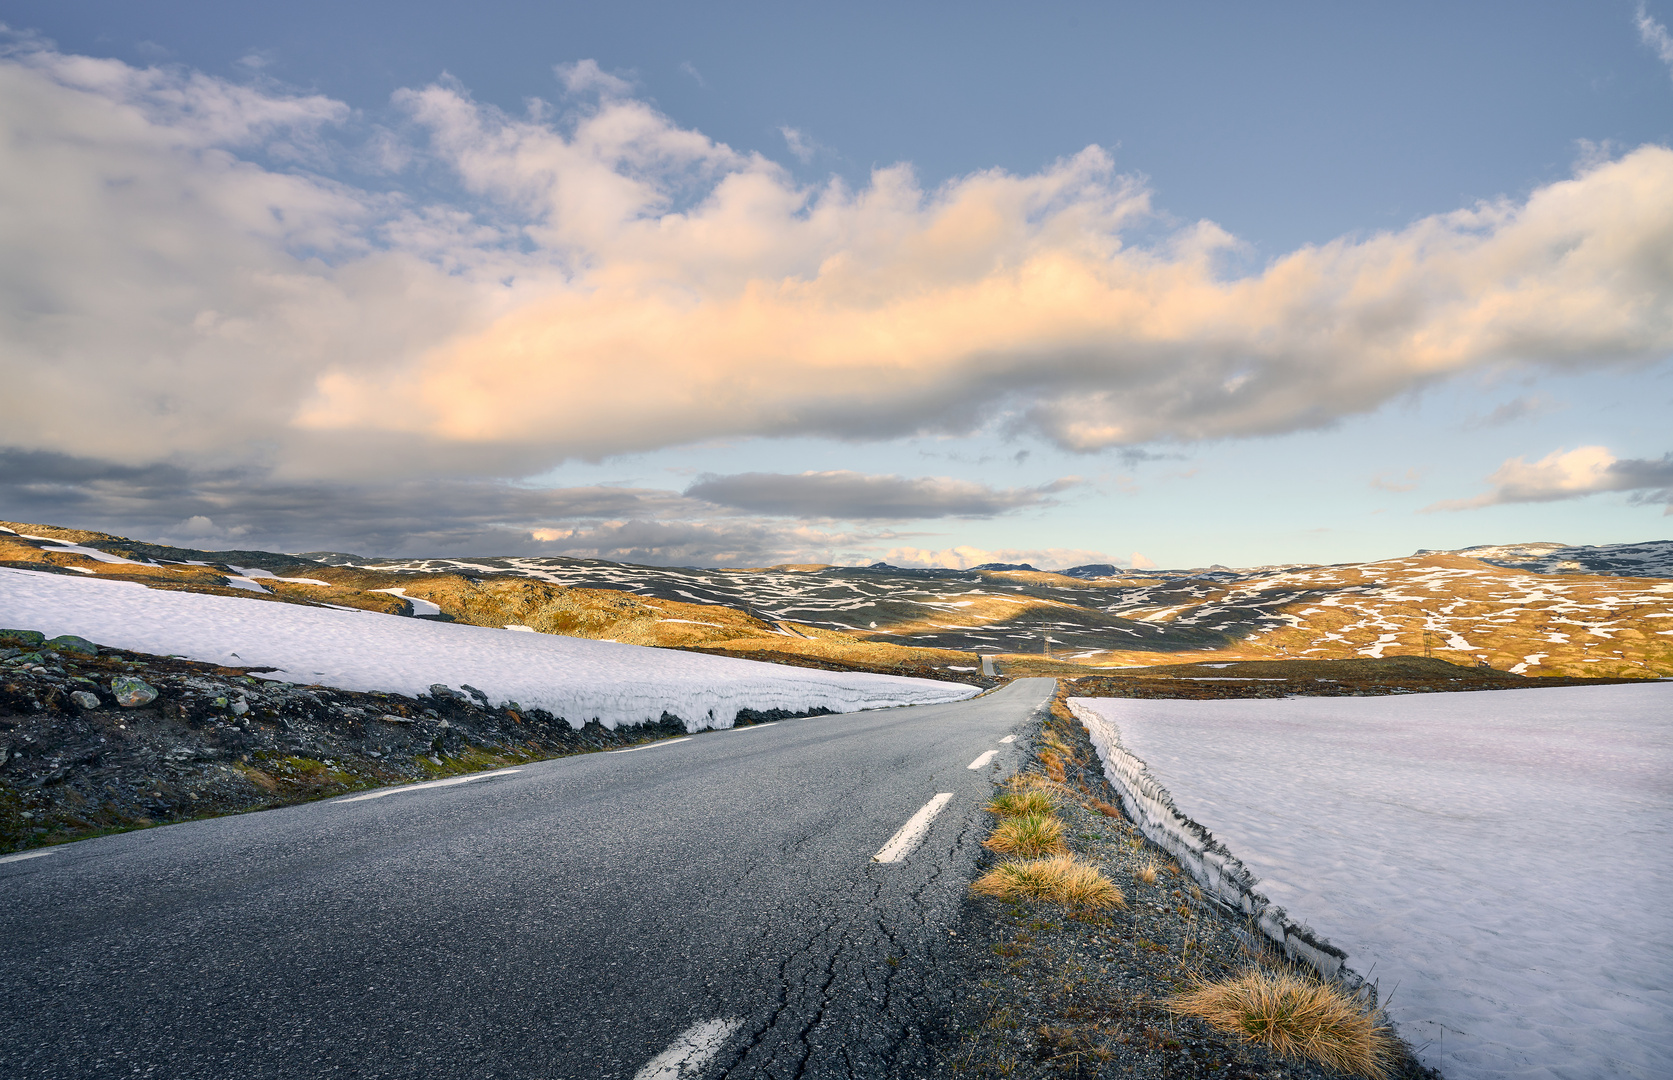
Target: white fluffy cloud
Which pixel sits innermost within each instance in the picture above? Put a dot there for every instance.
(190, 275)
(1570, 474)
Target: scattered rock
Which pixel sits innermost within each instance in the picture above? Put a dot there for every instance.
(85, 700)
(25, 637)
(71, 643)
(132, 693)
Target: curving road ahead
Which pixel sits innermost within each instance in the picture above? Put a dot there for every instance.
(700, 907)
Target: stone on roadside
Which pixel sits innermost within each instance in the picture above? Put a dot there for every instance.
(84, 700)
(131, 693)
(71, 643)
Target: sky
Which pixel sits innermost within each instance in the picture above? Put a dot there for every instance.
(748, 284)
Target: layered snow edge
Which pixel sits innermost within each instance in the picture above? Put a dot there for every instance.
(1215, 869)
(578, 679)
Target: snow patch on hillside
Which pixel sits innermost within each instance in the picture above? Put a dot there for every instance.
(577, 679)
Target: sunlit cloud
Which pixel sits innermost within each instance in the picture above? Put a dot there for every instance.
(964, 556)
(258, 290)
(1572, 474)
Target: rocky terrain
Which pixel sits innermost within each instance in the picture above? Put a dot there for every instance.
(94, 740)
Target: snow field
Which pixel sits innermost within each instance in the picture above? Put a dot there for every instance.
(577, 679)
(1496, 861)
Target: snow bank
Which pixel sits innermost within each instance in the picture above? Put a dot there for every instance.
(1210, 864)
(574, 678)
(1496, 861)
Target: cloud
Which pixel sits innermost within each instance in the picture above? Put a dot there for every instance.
(1572, 474)
(586, 77)
(800, 144)
(1519, 408)
(1655, 35)
(251, 507)
(1406, 483)
(688, 68)
(199, 275)
(852, 496)
(963, 557)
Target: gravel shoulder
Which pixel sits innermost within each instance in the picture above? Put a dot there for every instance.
(1050, 993)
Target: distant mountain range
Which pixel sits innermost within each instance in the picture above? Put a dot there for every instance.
(1539, 608)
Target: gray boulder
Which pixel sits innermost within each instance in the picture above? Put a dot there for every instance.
(131, 693)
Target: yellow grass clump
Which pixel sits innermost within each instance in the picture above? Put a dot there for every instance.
(1020, 801)
(1298, 1018)
(1147, 873)
(1028, 836)
(1060, 879)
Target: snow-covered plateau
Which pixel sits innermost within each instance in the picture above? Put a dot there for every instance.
(574, 678)
(1497, 862)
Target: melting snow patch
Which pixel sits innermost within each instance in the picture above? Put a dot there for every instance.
(1500, 857)
(420, 606)
(574, 678)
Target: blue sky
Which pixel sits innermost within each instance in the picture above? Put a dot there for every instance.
(764, 283)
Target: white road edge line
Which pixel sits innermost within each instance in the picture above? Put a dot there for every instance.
(649, 746)
(752, 727)
(20, 856)
(449, 782)
(901, 843)
(983, 760)
(1009, 738)
(696, 1046)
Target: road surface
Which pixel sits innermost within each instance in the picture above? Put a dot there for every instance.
(703, 907)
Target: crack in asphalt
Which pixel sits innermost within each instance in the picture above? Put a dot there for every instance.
(838, 1006)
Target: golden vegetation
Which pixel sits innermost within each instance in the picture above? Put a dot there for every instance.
(1017, 801)
(1445, 606)
(1028, 836)
(1060, 879)
(1298, 1018)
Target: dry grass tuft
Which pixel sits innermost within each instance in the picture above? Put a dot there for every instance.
(1106, 809)
(1052, 762)
(1146, 873)
(1297, 1018)
(1028, 836)
(1020, 801)
(1058, 880)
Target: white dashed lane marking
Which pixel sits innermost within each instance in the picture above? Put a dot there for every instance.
(649, 746)
(20, 856)
(1009, 738)
(901, 843)
(695, 1048)
(449, 782)
(983, 760)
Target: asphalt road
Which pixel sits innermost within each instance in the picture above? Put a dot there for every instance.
(699, 908)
